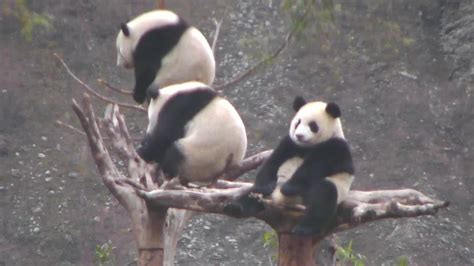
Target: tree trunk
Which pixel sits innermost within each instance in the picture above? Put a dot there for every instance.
(295, 250)
(150, 257)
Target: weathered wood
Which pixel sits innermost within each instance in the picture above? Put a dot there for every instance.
(295, 250)
(151, 257)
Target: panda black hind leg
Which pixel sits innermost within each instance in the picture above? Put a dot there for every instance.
(321, 205)
(245, 206)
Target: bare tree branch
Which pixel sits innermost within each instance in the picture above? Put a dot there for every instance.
(75, 129)
(247, 165)
(289, 36)
(368, 206)
(216, 32)
(360, 207)
(108, 86)
(202, 200)
(93, 92)
(105, 165)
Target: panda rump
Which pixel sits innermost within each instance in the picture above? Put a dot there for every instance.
(193, 133)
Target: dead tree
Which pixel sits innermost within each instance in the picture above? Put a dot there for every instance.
(159, 209)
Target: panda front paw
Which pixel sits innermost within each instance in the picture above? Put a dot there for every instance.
(303, 230)
(152, 93)
(142, 152)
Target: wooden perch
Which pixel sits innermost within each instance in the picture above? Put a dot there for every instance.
(152, 203)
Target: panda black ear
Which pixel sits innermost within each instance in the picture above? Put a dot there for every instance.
(298, 102)
(125, 29)
(333, 110)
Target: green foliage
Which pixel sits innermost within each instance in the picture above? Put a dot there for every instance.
(103, 252)
(348, 256)
(270, 240)
(29, 20)
(402, 261)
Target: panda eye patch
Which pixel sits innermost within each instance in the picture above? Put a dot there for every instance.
(313, 126)
(298, 123)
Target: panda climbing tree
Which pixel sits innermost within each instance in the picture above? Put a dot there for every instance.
(302, 188)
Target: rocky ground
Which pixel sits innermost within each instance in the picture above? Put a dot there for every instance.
(402, 71)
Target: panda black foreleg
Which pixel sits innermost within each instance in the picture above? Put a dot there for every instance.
(321, 205)
(301, 180)
(144, 77)
(247, 205)
(172, 160)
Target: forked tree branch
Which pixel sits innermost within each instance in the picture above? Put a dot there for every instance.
(252, 70)
(147, 198)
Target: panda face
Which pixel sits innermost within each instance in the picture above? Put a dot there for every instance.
(131, 32)
(314, 123)
(124, 51)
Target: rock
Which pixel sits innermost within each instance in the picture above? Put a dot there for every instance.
(73, 174)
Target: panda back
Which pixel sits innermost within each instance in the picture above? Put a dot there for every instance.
(214, 136)
(191, 59)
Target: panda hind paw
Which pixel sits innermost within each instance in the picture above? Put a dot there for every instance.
(152, 93)
(291, 190)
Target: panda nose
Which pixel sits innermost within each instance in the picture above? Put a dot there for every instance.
(299, 137)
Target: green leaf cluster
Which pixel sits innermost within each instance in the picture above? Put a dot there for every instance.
(347, 255)
(29, 20)
(103, 252)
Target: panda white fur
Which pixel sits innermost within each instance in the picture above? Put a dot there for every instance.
(193, 133)
(163, 50)
(312, 165)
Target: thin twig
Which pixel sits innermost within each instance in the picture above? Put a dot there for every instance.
(96, 94)
(108, 86)
(218, 28)
(262, 62)
(75, 129)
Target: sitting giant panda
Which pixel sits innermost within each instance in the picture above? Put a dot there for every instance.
(312, 165)
(164, 50)
(193, 133)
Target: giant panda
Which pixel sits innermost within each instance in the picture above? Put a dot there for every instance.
(193, 133)
(312, 165)
(163, 50)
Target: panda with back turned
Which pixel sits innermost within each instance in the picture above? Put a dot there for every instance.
(312, 165)
(163, 50)
(193, 133)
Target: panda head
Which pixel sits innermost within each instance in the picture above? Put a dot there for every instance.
(314, 122)
(131, 32)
